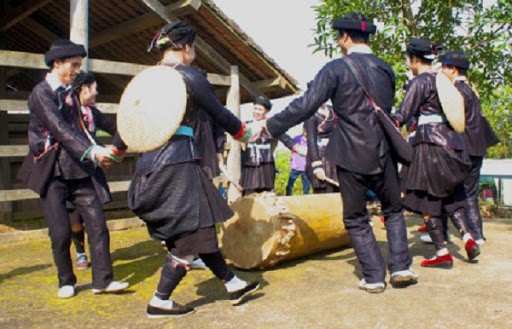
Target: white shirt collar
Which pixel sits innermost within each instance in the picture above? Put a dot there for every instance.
(54, 82)
(460, 78)
(360, 48)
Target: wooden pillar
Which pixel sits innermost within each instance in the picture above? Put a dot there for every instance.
(5, 163)
(234, 156)
(79, 25)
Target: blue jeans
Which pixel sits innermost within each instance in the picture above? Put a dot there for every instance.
(294, 174)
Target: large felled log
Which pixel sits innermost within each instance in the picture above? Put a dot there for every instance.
(266, 229)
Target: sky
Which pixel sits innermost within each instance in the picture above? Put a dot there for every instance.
(283, 29)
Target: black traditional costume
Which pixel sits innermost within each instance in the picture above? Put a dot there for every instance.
(476, 140)
(433, 182)
(258, 163)
(358, 148)
(319, 129)
(59, 168)
(173, 194)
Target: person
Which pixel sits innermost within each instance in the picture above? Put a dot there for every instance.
(171, 192)
(319, 128)
(434, 190)
(86, 87)
(258, 164)
(455, 66)
(64, 164)
(359, 150)
(298, 165)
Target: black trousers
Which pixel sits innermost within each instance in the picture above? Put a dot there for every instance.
(474, 219)
(386, 186)
(82, 194)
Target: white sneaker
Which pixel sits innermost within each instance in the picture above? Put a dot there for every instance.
(402, 279)
(198, 264)
(66, 291)
(114, 286)
(374, 288)
(480, 242)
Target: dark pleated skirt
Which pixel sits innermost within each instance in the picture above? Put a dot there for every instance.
(436, 170)
(260, 177)
(433, 181)
(177, 201)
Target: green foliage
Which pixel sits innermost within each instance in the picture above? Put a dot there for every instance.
(282, 159)
(484, 33)
(497, 109)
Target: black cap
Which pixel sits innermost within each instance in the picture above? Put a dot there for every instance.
(421, 47)
(61, 49)
(264, 101)
(354, 22)
(83, 78)
(455, 58)
(174, 36)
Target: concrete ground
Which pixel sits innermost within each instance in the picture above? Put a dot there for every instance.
(319, 291)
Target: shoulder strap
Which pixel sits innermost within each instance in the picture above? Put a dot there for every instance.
(358, 78)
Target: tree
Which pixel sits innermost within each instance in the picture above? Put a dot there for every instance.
(483, 32)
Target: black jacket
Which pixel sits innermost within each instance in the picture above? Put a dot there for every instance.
(57, 141)
(357, 143)
(422, 99)
(474, 137)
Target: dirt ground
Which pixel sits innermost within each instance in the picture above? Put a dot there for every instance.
(319, 291)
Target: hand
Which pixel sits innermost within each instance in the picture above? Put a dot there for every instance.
(220, 159)
(256, 130)
(300, 150)
(102, 155)
(116, 154)
(319, 173)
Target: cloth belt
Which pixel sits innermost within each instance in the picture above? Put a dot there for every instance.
(322, 141)
(431, 118)
(185, 131)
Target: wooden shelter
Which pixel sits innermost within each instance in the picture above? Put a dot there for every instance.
(116, 33)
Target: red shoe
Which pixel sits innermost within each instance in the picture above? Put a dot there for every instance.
(445, 261)
(422, 228)
(472, 249)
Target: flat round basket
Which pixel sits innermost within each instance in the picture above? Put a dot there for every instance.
(151, 108)
(452, 103)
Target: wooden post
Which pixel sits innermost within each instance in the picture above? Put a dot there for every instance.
(5, 163)
(234, 156)
(79, 25)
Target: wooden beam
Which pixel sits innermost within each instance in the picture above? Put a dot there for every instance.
(21, 106)
(20, 12)
(40, 30)
(181, 8)
(269, 83)
(203, 47)
(234, 162)
(36, 61)
(79, 25)
(26, 194)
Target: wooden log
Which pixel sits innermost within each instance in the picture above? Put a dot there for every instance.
(267, 229)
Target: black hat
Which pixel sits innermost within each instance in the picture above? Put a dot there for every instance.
(354, 22)
(423, 48)
(62, 49)
(174, 35)
(264, 101)
(83, 78)
(455, 58)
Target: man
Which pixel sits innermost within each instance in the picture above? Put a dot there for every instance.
(298, 165)
(455, 65)
(359, 149)
(62, 165)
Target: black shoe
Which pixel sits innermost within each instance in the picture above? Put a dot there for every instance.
(236, 297)
(176, 310)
